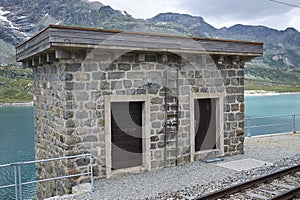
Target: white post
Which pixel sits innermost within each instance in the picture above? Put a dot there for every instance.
(294, 123)
(248, 128)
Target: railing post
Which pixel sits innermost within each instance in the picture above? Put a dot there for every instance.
(248, 127)
(91, 168)
(294, 123)
(16, 182)
(20, 181)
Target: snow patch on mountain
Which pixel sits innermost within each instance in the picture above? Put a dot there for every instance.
(5, 19)
(125, 13)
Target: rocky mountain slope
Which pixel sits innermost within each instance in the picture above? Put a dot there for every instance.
(20, 19)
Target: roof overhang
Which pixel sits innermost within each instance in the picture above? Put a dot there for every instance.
(55, 36)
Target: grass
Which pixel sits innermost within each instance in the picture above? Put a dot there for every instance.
(276, 76)
(260, 76)
(269, 86)
(15, 85)
(15, 90)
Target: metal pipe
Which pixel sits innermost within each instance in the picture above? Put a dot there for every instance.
(18, 175)
(16, 182)
(166, 120)
(20, 182)
(293, 123)
(53, 159)
(270, 125)
(177, 118)
(270, 116)
(56, 178)
(7, 186)
(91, 168)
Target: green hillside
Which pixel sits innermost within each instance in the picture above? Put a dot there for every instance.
(278, 79)
(277, 70)
(15, 84)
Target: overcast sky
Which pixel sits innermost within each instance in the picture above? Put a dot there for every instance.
(218, 13)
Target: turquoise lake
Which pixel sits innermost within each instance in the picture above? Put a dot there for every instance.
(17, 139)
(282, 106)
(16, 144)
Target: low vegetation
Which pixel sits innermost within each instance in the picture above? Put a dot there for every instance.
(15, 84)
(277, 79)
(267, 86)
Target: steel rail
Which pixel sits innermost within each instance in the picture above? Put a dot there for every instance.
(287, 195)
(252, 183)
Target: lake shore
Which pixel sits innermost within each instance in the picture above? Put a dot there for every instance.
(16, 104)
(265, 93)
(259, 93)
(246, 93)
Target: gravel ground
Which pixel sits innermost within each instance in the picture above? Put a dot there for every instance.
(185, 182)
(202, 189)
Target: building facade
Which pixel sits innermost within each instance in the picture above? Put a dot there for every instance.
(136, 101)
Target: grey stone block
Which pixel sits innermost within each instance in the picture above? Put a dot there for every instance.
(124, 66)
(157, 100)
(127, 83)
(67, 77)
(116, 75)
(90, 138)
(81, 96)
(74, 67)
(135, 75)
(90, 67)
(82, 114)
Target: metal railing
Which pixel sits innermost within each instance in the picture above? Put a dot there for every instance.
(18, 174)
(287, 123)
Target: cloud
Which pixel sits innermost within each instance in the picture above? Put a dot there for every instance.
(218, 13)
(144, 8)
(242, 9)
(294, 18)
(222, 13)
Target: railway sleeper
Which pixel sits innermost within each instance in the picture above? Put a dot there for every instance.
(291, 194)
(255, 195)
(270, 192)
(272, 189)
(283, 185)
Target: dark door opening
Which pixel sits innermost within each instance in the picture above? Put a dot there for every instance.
(205, 124)
(126, 134)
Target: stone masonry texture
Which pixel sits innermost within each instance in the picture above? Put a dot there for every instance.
(70, 107)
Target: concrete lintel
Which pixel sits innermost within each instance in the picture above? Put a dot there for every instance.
(62, 54)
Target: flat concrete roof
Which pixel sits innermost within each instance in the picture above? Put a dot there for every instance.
(55, 36)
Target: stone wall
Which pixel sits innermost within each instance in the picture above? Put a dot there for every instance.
(70, 106)
(50, 126)
(232, 71)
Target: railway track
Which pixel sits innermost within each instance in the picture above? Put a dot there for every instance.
(283, 184)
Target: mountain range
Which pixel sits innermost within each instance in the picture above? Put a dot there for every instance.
(20, 19)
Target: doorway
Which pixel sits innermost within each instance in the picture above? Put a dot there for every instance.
(205, 124)
(126, 135)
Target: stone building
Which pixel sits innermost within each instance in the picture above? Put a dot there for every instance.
(136, 101)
